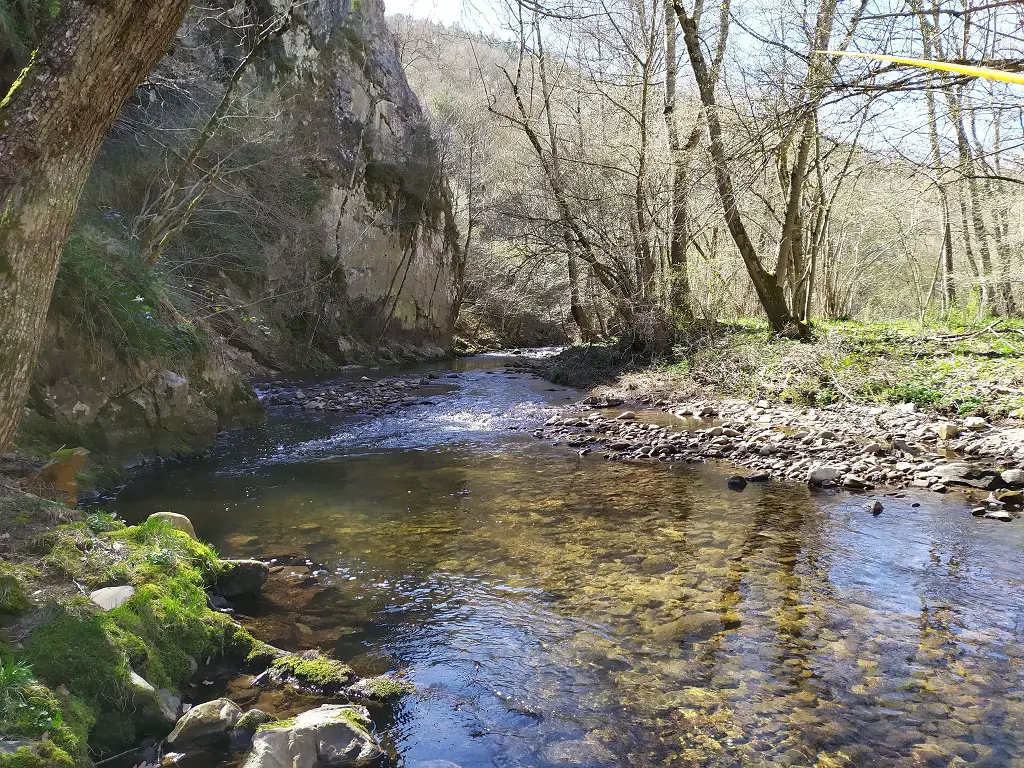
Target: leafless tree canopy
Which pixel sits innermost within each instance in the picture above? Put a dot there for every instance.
(622, 165)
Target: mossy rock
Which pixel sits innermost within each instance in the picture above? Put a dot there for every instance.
(383, 688)
(314, 671)
(39, 754)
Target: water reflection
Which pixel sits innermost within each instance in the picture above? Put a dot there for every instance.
(560, 611)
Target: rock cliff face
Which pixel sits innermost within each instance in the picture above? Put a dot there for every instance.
(322, 234)
(367, 266)
(384, 214)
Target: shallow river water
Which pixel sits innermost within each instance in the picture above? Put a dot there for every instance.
(554, 610)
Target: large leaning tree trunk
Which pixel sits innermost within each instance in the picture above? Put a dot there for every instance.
(53, 122)
(765, 283)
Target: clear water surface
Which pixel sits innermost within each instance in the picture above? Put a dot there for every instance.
(557, 610)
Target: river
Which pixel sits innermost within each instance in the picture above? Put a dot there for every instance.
(557, 610)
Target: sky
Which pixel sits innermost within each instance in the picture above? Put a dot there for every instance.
(442, 11)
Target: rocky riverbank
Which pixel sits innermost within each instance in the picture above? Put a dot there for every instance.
(365, 395)
(851, 446)
(111, 636)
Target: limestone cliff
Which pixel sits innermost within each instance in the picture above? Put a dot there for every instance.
(317, 231)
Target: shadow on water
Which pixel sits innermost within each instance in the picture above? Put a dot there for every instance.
(556, 610)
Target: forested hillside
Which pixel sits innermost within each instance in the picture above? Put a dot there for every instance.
(622, 166)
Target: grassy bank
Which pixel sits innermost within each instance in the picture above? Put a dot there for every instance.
(963, 370)
(77, 682)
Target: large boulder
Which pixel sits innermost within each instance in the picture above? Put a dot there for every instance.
(332, 735)
(965, 473)
(236, 578)
(180, 522)
(205, 724)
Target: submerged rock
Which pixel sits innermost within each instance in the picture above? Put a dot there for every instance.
(331, 735)
(736, 482)
(241, 577)
(206, 723)
(699, 625)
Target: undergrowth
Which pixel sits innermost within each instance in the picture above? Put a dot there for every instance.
(962, 369)
(114, 299)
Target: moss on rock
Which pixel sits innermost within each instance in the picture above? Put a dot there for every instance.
(81, 666)
(312, 670)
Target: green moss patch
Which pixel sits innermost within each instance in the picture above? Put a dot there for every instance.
(313, 670)
(72, 676)
(13, 597)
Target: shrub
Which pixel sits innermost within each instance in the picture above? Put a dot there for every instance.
(106, 291)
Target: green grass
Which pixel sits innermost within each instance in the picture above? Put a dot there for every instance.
(108, 293)
(29, 710)
(961, 369)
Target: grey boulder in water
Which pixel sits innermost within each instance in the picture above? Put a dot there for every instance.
(333, 735)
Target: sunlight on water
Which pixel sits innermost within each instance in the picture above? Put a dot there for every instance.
(558, 611)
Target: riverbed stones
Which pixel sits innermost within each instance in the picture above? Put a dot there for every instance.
(1013, 477)
(999, 514)
(975, 424)
(824, 475)
(110, 598)
(947, 431)
(206, 723)
(180, 522)
(237, 578)
(329, 736)
(872, 445)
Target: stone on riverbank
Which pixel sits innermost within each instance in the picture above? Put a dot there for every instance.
(331, 735)
(205, 724)
(823, 475)
(110, 598)
(965, 473)
(180, 522)
(236, 578)
(1013, 477)
(999, 514)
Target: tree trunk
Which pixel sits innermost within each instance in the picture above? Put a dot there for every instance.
(769, 292)
(54, 119)
(679, 287)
